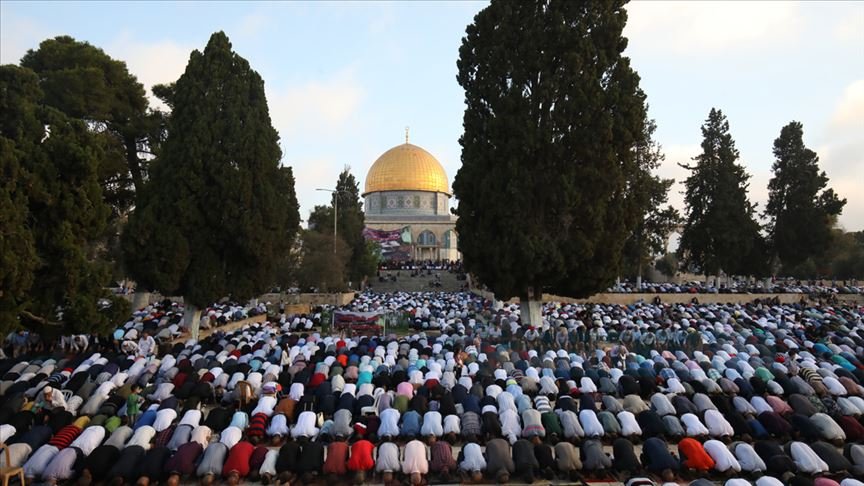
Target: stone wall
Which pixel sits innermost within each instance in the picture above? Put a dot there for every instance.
(142, 299)
(627, 299)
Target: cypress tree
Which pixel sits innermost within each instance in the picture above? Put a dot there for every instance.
(653, 223)
(553, 115)
(350, 223)
(219, 211)
(801, 208)
(720, 232)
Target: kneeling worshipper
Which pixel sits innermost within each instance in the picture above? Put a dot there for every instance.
(656, 458)
(387, 460)
(414, 463)
(499, 462)
(181, 465)
(62, 466)
(361, 461)
(212, 462)
(237, 463)
(471, 462)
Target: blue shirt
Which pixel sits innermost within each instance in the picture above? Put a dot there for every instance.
(411, 423)
(147, 418)
(239, 420)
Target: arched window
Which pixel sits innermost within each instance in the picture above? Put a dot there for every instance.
(450, 239)
(426, 238)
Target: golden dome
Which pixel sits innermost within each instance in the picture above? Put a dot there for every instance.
(407, 167)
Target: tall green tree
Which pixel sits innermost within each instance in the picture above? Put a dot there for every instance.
(801, 208)
(219, 211)
(362, 262)
(84, 82)
(654, 223)
(53, 276)
(321, 268)
(553, 115)
(720, 232)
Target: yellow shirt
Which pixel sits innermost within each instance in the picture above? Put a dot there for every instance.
(81, 422)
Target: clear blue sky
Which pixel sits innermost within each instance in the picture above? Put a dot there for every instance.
(344, 79)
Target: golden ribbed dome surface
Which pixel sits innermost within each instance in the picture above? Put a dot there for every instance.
(407, 167)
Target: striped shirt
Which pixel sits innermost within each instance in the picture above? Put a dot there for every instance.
(164, 437)
(258, 425)
(442, 457)
(65, 436)
(471, 424)
(811, 375)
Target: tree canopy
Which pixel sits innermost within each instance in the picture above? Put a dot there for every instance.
(720, 232)
(52, 205)
(220, 210)
(362, 261)
(83, 82)
(320, 267)
(801, 208)
(654, 223)
(553, 115)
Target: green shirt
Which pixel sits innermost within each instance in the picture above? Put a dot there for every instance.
(132, 404)
(401, 403)
(112, 423)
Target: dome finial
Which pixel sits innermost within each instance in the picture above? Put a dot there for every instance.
(406, 133)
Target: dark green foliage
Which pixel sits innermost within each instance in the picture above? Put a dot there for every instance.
(85, 83)
(351, 223)
(321, 219)
(51, 199)
(720, 232)
(653, 223)
(320, 267)
(351, 220)
(801, 209)
(553, 115)
(219, 211)
(667, 265)
(18, 258)
(369, 259)
(844, 259)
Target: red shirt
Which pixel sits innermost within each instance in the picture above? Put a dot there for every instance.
(179, 379)
(65, 436)
(238, 459)
(316, 380)
(337, 458)
(696, 457)
(361, 456)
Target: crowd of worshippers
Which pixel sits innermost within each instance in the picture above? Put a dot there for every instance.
(156, 323)
(777, 286)
(768, 394)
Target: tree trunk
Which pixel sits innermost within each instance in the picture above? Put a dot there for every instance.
(530, 309)
(134, 163)
(192, 319)
(639, 276)
(530, 312)
(140, 300)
